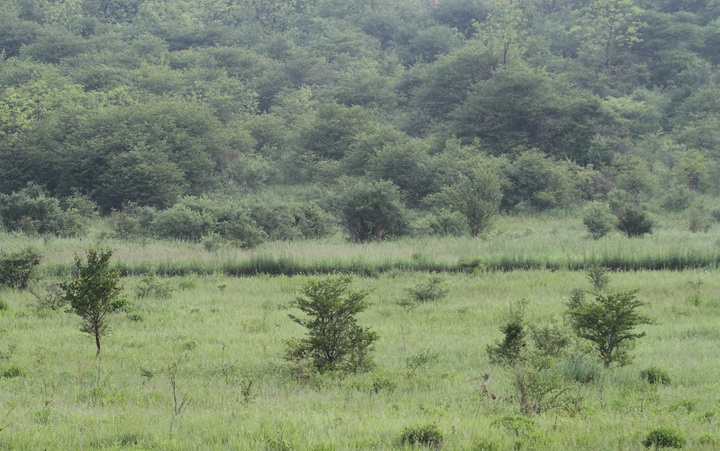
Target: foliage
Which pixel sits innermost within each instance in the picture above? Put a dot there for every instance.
(93, 288)
(476, 197)
(372, 211)
(663, 438)
(655, 375)
(18, 268)
(598, 276)
(608, 322)
(428, 435)
(598, 219)
(634, 222)
(511, 348)
(334, 341)
(429, 291)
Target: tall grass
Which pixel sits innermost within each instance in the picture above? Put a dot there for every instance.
(231, 330)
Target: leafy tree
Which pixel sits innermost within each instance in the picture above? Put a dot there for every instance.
(476, 196)
(502, 31)
(598, 219)
(510, 349)
(93, 288)
(609, 322)
(372, 211)
(335, 341)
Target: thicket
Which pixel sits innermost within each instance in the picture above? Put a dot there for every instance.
(467, 108)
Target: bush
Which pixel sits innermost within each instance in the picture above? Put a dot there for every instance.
(30, 211)
(428, 435)
(509, 350)
(598, 219)
(655, 375)
(182, 223)
(428, 291)
(17, 268)
(608, 322)
(335, 341)
(699, 219)
(4, 305)
(372, 211)
(663, 438)
(634, 222)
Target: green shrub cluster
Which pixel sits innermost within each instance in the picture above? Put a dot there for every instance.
(17, 268)
(663, 438)
(427, 435)
(32, 212)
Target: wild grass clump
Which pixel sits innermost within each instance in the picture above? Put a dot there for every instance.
(663, 438)
(428, 435)
(13, 371)
(655, 376)
(430, 290)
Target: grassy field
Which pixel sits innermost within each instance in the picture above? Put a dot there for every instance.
(224, 336)
(517, 243)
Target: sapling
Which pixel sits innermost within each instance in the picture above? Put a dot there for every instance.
(92, 290)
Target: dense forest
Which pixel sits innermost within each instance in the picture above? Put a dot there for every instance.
(279, 119)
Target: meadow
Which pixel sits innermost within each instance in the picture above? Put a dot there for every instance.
(199, 365)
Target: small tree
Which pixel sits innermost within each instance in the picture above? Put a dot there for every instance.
(477, 197)
(372, 211)
(608, 321)
(334, 337)
(91, 292)
(598, 219)
(634, 222)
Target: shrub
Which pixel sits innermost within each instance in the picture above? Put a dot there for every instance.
(17, 268)
(655, 375)
(182, 223)
(484, 445)
(634, 222)
(428, 291)
(428, 435)
(598, 219)
(663, 438)
(598, 276)
(510, 349)
(448, 223)
(608, 322)
(151, 286)
(4, 305)
(335, 341)
(372, 211)
(699, 219)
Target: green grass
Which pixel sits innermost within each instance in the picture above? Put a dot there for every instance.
(518, 243)
(231, 330)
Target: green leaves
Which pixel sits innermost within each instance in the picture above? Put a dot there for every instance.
(335, 341)
(91, 292)
(609, 322)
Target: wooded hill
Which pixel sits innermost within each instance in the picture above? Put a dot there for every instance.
(255, 107)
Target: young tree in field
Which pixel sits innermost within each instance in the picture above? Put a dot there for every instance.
(608, 322)
(91, 292)
(334, 341)
(477, 197)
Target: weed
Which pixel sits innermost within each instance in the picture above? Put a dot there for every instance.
(4, 306)
(423, 358)
(428, 435)
(485, 444)
(430, 290)
(246, 391)
(13, 371)
(655, 375)
(663, 438)
(707, 440)
(598, 276)
(180, 402)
